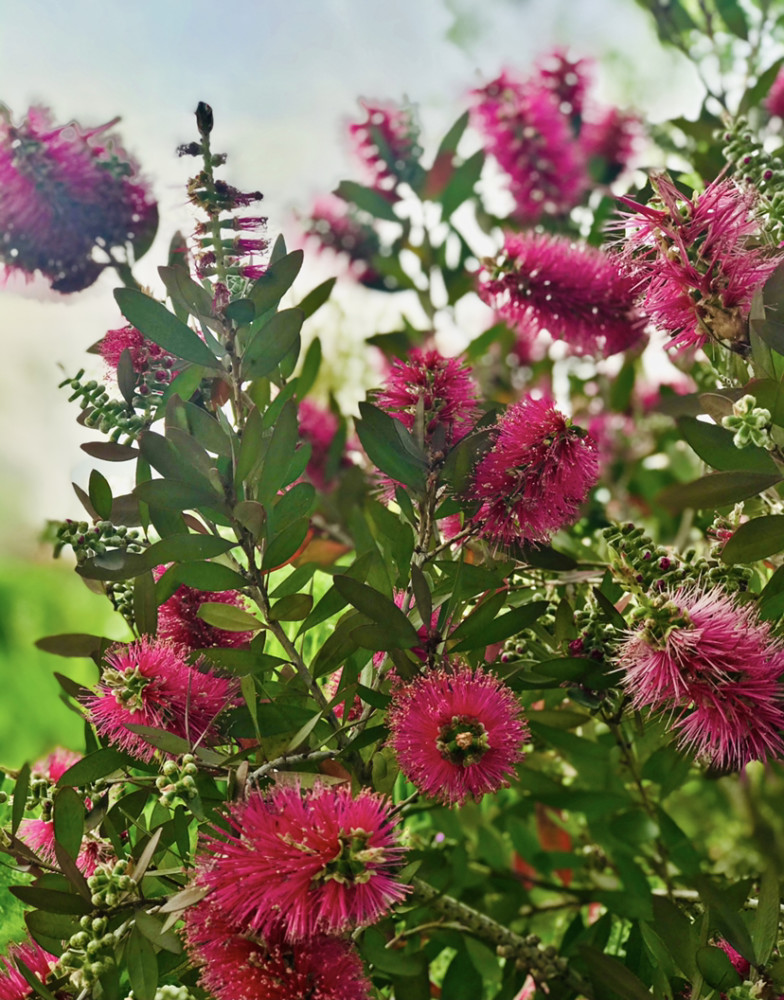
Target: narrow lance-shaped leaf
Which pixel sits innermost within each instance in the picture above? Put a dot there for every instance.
(163, 328)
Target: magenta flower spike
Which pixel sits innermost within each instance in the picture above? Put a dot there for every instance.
(714, 668)
(575, 292)
(149, 683)
(774, 102)
(318, 861)
(179, 622)
(387, 143)
(13, 985)
(458, 733)
(65, 191)
(535, 477)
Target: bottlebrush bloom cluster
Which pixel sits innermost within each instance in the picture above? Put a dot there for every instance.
(774, 102)
(575, 292)
(237, 965)
(458, 733)
(65, 191)
(535, 477)
(714, 668)
(304, 863)
(694, 262)
(387, 142)
(336, 226)
(144, 353)
(442, 387)
(318, 427)
(149, 683)
(13, 985)
(610, 142)
(179, 622)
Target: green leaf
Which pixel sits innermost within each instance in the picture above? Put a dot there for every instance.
(462, 981)
(100, 495)
(72, 644)
(462, 183)
(207, 430)
(270, 344)
(480, 616)
(452, 139)
(51, 900)
(240, 311)
(284, 545)
(172, 494)
(501, 628)
(68, 820)
(279, 454)
(160, 738)
(21, 789)
(186, 548)
(378, 608)
(252, 448)
(765, 923)
(54, 926)
(163, 456)
(201, 575)
(152, 929)
(677, 933)
(610, 973)
(163, 328)
(310, 368)
(733, 16)
(35, 983)
(315, 300)
(390, 446)
(725, 911)
(402, 963)
(714, 445)
(184, 291)
(145, 610)
(252, 516)
(142, 966)
(293, 504)
(109, 451)
(716, 968)
(270, 288)
(764, 536)
(228, 618)
(718, 489)
(367, 199)
(294, 608)
(95, 765)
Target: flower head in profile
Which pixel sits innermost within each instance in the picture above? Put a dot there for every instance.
(535, 477)
(65, 192)
(149, 683)
(441, 389)
(714, 668)
(144, 353)
(38, 835)
(774, 102)
(458, 733)
(238, 965)
(318, 861)
(54, 765)
(337, 227)
(179, 622)
(530, 135)
(13, 985)
(694, 262)
(387, 142)
(610, 140)
(575, 292)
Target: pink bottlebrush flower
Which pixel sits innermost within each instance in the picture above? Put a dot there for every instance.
(38, 835)
(55, 764)
(65, 191)
(335, 225)
(144, 353)
(179, 622)
(567, 79)
(715, 668)
(535, 477)
(740, 964)
(312, 862)
(148, 683)
(611, 139)
(457, 733)
(531, 138)
(332, 687)
(425, 633)
(13, 985)
(774, 102)
(445, 389)
(387, 142)
(692, 261)
(576, 292)
(318, 427)
(237, 965)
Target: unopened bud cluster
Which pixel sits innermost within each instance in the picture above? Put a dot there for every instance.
(168, 992)
(89, 954)
(754, 165)
(527, 645)
(750, 424)
(528, 956)
(110, 416)
(88, 541)
(178, 780)
(109, 888)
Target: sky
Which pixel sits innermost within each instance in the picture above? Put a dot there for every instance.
(283, 80)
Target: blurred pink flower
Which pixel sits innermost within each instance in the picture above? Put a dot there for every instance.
(179, 622)
(714, 668)
(65, 191)
(611, 137)
(38, 835)
(307, 861)
(693, 262)
(237, 965)
(774, 102)
(567, 79)
(457, 733)
(535, 477)
(55, 764)
(318, 426)
(740, 964)
(387, 142)
(144, 353)
(13, 985)
(148, 683)
(336, 226)
(575, 292)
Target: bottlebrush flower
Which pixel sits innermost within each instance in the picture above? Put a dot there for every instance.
(714, 668)
(318, 427)
(774, 102)
(310, 862)
(457, 733)
(567, 79)
(443, 386)
(148, 683)
(38, 835)
(692, 261)
(13, 985)
(575, 292)
(336, 227)
(535, 477)
(531, 138)
(179, 622)
(64, 191)
(54, 765)
(236, 965)
(611, 138)
(387, 142)
(144, 353)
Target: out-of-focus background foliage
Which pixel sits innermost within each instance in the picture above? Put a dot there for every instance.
(285, 79)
